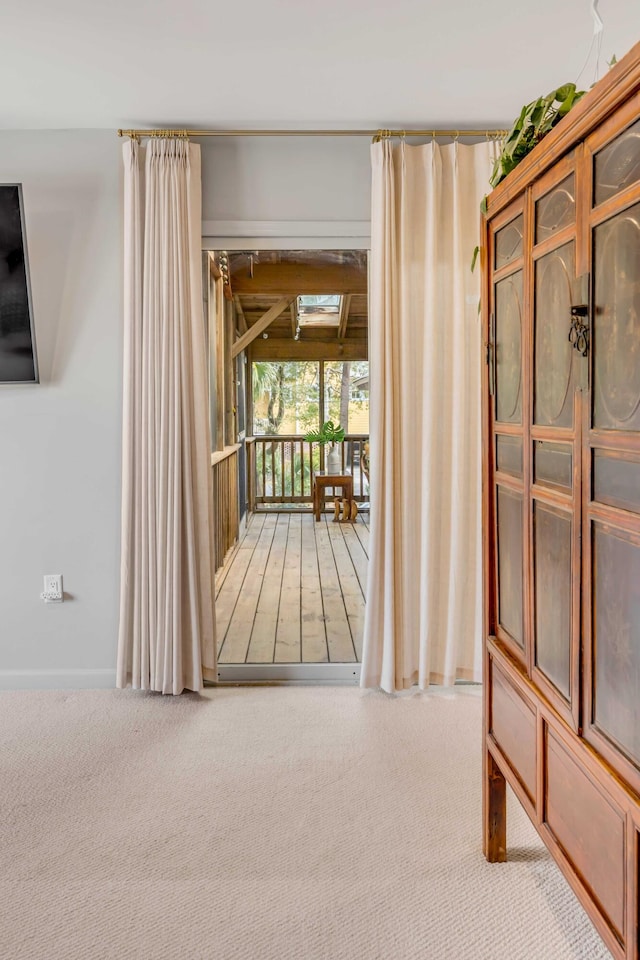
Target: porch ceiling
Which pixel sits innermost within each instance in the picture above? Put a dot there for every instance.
(259, 281)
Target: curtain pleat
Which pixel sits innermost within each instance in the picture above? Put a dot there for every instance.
(167, 622)
(424, 592)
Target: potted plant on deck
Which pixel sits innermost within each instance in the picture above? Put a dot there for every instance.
(333, 435)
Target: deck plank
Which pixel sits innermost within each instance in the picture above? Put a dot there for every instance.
(263, 634)
(362, 532)
(294, 592)
(288, 638)
(230, 590)
(338, 632)
(229, 587)
(357, 552)
(236, 643)
(314, 636)
(352, 592)
(254, 530)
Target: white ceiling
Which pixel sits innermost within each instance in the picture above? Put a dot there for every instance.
(293, 63)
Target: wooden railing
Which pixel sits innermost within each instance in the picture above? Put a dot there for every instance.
(280, 469)
(224, 465)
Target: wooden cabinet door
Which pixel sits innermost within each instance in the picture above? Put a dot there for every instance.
(507, 339)
(612, 452)
(557, 374)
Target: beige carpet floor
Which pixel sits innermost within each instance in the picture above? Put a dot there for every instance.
(273, 823)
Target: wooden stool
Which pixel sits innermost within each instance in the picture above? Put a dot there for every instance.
(322, 480)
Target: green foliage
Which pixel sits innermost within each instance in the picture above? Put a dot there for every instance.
(263, 378)
(328, 433)
(535, 121)
(280, 388)
(476, 251)
(286, 391)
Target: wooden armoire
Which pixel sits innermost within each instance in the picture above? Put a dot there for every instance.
(561, 314)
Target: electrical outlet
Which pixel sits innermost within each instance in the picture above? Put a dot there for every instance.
(52, 588)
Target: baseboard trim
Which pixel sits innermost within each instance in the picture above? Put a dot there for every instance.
(57, 679)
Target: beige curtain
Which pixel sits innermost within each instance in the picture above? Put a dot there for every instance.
(424, 593)
(167, 626)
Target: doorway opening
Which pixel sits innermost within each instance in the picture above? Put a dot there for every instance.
(288, 349)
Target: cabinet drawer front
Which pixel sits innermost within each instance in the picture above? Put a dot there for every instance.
(589, 828)
(514, 729)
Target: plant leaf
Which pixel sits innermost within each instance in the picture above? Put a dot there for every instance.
(474, 258)
(566, 90)
(328, 433)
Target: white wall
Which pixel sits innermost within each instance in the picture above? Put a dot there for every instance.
(283, 178)
(60, 440)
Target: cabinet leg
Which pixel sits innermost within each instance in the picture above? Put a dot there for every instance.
(494, 812)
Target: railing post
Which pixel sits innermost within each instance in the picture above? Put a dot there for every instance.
(251, 478)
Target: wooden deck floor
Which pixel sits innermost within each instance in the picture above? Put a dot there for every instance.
(294, 592)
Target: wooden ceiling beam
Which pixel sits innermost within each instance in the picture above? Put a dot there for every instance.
(344, 315)
(293, 279)
(240, 314)
(294, 319)
(273, 349)
(260, 326)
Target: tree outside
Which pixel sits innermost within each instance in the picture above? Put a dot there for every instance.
(343, 402)
(286, 396)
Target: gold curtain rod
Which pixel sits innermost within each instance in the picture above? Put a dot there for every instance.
(377, 134)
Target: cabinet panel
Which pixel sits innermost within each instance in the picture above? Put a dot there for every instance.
(509, 242)
(588, 827)
(510, 563)
(556, 209)
(508, 320)
(514, 729)
(617, 165)
(616, 322)
(616, 481)
(554, 355)
(553, 596)
(552, 464)
(509, 455)
(616, 639)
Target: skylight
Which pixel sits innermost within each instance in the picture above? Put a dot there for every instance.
(319, 310)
